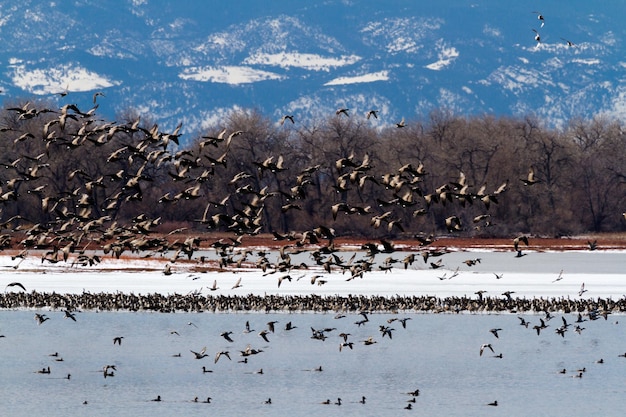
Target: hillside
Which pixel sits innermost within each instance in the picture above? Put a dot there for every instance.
(195, 64)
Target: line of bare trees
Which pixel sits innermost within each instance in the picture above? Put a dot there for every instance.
(66, 168)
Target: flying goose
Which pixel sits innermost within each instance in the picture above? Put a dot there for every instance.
(218, 355)
(485, 346)
(201, 354)
(286, 117)
(530, 179)
(371, 113)
(537, 37)
(15, 284)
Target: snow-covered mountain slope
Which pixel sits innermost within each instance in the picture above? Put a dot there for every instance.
(195, 61)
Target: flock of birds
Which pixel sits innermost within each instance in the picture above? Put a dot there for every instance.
(347, 332)
(85, 216)
(542, 22)
(246, 354)
(82, 224)
(87, 212)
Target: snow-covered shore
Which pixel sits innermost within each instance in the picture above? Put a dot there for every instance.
(536, 275)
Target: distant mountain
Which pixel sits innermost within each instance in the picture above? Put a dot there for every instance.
(195, 61)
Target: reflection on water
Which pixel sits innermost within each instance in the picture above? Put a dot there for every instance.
(437, 354)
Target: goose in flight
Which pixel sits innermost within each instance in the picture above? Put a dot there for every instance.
(343, 111)
(237, 284)
(495, 332)
(15, 284)
(517, 241)
(222, 353)
(226, 335)
(539, 327)
(263, 334)
(69, 315)
(271, 325)
(201, 354)
(453, 223)
(530, 179)
(40, 318)
(485, 346)
(285, 118)
(372, 113)
(537, 37)
(248, 329)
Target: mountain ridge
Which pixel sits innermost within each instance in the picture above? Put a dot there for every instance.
(196, 64)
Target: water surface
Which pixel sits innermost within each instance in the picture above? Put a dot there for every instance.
(436, 353)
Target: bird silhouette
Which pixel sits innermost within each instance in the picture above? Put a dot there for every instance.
(219, 354)
(485, 346)
(530, 178)
(263, 334)
(495, 332)
(226, 335)
(285, 118)
(201, 354)
(237, 284)
(15, 284)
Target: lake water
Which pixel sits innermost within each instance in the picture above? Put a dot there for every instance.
(436, 353)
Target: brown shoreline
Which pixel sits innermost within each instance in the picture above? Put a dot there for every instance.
(607, 241)
(613, 241)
